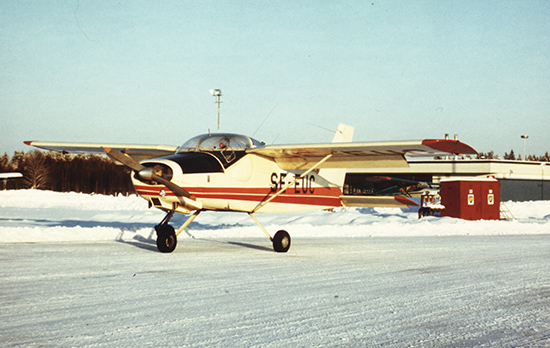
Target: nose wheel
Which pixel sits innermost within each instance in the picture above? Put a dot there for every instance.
(166, 238)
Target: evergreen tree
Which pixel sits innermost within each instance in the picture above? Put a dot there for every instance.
(5, 165)
(510, 156)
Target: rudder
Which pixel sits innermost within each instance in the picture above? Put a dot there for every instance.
(336, 176)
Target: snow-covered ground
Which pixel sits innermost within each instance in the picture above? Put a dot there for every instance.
(45, 216)
(80, 270)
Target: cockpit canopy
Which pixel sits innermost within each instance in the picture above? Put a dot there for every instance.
(220, 142)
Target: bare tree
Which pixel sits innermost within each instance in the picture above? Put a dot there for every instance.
(35, 170)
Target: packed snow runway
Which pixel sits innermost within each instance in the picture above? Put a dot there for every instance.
(79, 270)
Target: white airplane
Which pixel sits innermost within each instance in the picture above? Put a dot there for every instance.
(231, 172)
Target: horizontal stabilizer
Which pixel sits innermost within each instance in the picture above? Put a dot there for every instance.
(377, 201)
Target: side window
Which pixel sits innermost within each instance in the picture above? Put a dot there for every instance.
(228, 157)
(196, 162)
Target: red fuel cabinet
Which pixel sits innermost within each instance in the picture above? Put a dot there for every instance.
(471, 198)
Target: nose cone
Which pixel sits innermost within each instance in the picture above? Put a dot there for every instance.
(152, 169)
(146, 173)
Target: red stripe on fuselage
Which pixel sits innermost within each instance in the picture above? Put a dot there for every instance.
(322, 196)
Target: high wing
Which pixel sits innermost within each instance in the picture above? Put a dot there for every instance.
(359, 154)
(138, 152)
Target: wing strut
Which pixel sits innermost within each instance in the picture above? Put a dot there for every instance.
(283, 189)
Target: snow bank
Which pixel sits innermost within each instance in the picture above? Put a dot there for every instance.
(45, 216)
(29, 199)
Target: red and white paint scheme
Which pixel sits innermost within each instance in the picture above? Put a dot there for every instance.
(231, 172)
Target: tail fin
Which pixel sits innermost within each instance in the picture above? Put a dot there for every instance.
(344, 134)
(336, 176)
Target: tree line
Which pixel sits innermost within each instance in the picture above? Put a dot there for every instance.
(512, 156)
(66, 173)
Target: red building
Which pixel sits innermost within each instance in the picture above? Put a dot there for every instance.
(471, 198)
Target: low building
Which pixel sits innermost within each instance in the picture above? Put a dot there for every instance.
(520, 180)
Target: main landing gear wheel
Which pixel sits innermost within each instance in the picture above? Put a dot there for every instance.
(281, 241)
(166, 238)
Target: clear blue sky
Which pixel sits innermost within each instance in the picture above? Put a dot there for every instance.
(141, 71)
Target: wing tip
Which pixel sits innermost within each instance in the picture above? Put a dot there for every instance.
(450, 146)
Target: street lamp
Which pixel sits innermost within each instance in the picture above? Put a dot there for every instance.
(524, 137)
(542, 181)
(218, 94)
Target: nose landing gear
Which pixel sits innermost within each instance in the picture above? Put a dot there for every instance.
(167, 238)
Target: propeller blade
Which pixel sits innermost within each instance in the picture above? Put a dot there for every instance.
(124, 159)
(136, 166)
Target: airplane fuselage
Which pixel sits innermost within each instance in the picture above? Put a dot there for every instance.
(244, 184)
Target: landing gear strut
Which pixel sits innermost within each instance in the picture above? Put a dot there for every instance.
(281, 240)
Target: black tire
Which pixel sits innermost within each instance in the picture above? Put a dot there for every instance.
(281, 241)
(166, 238)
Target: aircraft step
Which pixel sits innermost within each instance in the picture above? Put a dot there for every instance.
(505, 213)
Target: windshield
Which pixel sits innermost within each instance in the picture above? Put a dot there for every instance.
(220, 141)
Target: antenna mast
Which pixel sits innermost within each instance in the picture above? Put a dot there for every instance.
(218, 94)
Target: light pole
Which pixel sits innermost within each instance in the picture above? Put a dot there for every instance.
(542, 181)
(218, 94)
(524, 137)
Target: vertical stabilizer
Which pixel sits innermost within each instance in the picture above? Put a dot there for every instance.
(336, 176)
(344, 134)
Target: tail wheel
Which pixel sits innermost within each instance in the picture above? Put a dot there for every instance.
(166, 238)
(281, 241)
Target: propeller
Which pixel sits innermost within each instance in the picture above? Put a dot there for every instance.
(146, 172)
